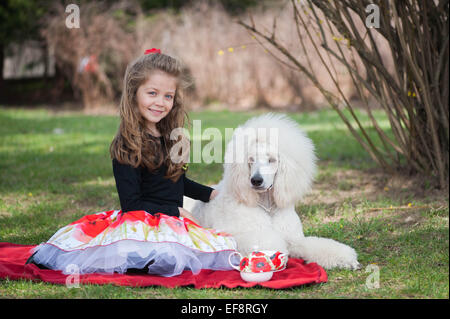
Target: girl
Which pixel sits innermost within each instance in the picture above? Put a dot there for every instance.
(152, 232)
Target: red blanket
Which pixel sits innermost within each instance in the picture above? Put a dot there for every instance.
(297, 273)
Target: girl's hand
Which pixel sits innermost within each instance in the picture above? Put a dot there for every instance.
(185, 214)
(214, 193)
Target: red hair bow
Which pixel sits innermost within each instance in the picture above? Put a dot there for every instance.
(152, 51)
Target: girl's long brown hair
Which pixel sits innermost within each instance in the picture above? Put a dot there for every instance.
(132, 144)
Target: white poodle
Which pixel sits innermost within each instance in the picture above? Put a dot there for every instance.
(269, 165)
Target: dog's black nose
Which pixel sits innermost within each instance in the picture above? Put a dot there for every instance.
(257, 180)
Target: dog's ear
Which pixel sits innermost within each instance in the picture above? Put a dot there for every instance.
(237, 183)
(293, 179)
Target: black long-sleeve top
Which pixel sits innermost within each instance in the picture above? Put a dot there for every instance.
(140, 189)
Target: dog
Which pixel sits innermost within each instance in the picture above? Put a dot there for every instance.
(269, 165)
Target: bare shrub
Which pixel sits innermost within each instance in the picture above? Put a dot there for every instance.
(247, 76)
(409, 80)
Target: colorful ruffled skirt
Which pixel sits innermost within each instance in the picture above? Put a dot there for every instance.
(112, 242)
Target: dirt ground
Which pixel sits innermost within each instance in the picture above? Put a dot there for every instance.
(373, 191)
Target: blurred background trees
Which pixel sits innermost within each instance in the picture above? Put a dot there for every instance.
(37, 45)
(19, 21)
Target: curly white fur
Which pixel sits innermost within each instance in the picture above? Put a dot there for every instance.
(235, 210)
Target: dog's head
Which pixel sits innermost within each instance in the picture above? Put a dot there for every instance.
(262, 161)
(269, 151)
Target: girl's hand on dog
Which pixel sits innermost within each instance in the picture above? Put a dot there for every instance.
(185, 214)
(214, 193)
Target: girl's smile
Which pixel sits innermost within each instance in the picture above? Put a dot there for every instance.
(155, 98)
(156, 112)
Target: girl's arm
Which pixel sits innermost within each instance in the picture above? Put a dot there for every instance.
(195, 190)
(128, 184)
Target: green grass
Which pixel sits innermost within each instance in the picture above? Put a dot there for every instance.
(55, 168)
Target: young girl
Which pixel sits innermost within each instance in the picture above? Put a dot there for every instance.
(152, 232)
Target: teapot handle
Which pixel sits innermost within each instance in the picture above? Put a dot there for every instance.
(229, 260)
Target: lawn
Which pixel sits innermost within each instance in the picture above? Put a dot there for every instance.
(55, 168)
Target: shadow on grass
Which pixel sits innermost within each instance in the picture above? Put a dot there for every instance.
(392, 239)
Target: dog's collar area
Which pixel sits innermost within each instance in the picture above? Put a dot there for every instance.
(265, 200)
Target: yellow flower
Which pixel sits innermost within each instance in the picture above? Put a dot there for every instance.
(243, 46)
(409, 93)
(30, 194)
(220, 52)
(348, 43)
(339, 39)
(230, 49)
(386, 188)
(409, 204)
(414, 94)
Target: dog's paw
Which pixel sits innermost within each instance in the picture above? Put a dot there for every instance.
(328, 253)
(343, 256)
(348, 258)
(354, 266)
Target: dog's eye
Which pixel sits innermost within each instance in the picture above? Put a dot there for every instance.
(251, 159)
(272, 160)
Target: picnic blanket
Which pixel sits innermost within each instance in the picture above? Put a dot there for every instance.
(14, 256)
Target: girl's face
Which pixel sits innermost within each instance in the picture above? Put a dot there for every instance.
(155, 98)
